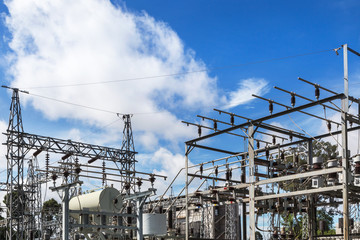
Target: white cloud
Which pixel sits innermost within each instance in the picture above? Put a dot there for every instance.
(67, 42)
(246, 88)
(86, 41)
(164, 162)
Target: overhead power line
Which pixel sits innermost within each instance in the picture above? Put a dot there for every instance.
(89, 107)
(180, 73)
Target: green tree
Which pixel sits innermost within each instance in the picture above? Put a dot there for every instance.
(50, 208)
(328, 219)
(326, 214)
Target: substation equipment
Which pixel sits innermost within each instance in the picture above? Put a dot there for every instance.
(248, 193)
(106, 213)
(278, 174)
(237, 194)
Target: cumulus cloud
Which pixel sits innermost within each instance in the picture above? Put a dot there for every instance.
(100, 55)
(67, 42)
(166, 163)
(246, 88)
(90, 41)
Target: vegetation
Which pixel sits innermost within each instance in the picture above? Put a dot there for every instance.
(50, 208)
(326, 214)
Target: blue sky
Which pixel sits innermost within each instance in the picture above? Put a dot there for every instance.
(65, 42)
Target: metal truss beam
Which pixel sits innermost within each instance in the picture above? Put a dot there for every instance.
(275, 115)
(296, 193)
(55, 145)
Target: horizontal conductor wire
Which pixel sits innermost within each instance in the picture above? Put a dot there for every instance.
(88, 107)
(180, 73)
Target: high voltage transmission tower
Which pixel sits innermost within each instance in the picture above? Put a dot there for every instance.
(128, 147)
(16, 196)
(23, 198)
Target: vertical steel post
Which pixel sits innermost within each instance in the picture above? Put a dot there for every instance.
(65, 214)
(252, 181)
(186, 193)
(243, 205)
(16, 200)
(139, 209)
(345, 153)
(311, 210)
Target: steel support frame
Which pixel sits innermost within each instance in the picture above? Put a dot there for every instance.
(62, 146)
(19, 144)
(252, 219)
(345, 152)
(16, 200)
(275, 115)
(128, 148)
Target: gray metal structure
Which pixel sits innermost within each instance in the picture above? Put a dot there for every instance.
(15, 155)
(310, 180)
(24, 198)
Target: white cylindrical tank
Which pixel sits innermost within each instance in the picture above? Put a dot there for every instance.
(154, 224)
(107, 200)
(332, 163)
(317, 160)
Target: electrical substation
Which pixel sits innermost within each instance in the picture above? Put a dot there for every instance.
(245, 194)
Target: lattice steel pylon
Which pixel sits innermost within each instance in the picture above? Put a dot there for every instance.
(33, 198)
(230, 221)
(15, 154)
(128, 166)
(207, 226)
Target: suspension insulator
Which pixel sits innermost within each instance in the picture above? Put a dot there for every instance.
(54, 177)
(230, 173)
(227, 175)
(77, 169)
(199, 131)
(66, 173)
(273, 140)
(328, 125)
(232, 119)
(201, 169)
(271, 107)
(317, 93)
(293, 100)
(216, 171)
(47, 157)
(139, 182)
(215, 125)
(267, 153)
(152, 178)
(291, 138)
(257, 144)
(282, 155)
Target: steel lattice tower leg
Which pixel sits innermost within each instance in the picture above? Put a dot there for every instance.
(208, 221)
(33, 194)
(128, 166)
(230, 221)
(15, 172)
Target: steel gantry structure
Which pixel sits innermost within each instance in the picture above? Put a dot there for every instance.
(23, 199)
(282, 177)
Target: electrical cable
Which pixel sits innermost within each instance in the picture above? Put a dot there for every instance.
(306, 132)
(330, 131)
(88, 107)
(182, 73)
